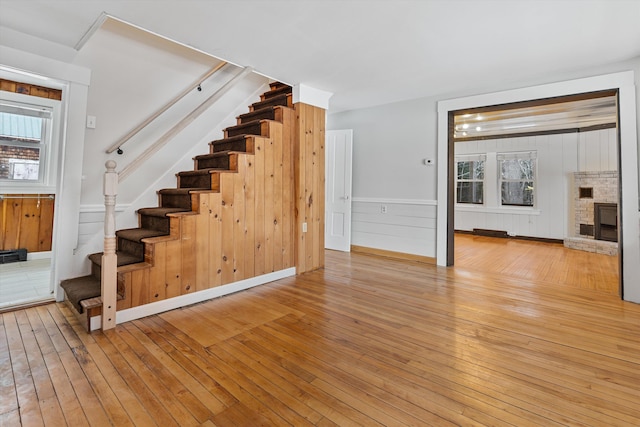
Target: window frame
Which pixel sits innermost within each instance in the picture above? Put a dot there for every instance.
(517, 155)
(48, 146)
(468, 159)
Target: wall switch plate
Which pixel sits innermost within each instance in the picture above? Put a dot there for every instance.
(304, 227)
(91, 122)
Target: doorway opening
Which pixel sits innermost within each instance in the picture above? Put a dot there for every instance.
(524, 156)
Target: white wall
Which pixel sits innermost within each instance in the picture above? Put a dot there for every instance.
(558, 156)
(390, 141)
(389, 170)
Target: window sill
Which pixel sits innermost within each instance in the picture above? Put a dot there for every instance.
(498, 210)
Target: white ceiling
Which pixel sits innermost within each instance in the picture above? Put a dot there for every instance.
(368, 52)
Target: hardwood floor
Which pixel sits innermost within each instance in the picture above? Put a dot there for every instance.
(365, 341)
(543, 262)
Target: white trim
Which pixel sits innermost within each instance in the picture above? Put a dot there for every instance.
(311, 96)
(193, 298)
(396, 201)
(39, 255)
(43, 71)
(509, 210)
(100, 208)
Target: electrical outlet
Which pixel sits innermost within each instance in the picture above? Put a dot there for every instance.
(383, 209)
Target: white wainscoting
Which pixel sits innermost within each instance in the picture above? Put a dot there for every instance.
(408, 226)
(558, 156)
(92, 221)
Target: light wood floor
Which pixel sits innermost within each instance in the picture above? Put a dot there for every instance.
(365, 341)
(551, 263)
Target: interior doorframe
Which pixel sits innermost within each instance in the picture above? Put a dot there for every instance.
(629, 247)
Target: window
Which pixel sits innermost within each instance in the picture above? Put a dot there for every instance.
(26, 154)
(517, 178)
(470, 180)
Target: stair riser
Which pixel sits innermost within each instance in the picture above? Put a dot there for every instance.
(254, 128)
(154, 223)
(284, 100)
(136, 249)
(208, 180)
(96, 271)
(221, 162)
(246, 145)
(269, 114)
(175, 201)
(277, 91)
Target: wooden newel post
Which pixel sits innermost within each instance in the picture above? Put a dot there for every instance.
(109, 275)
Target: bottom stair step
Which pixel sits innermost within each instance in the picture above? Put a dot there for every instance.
(81, 288)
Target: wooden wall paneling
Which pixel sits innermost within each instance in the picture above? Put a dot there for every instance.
(215, 242)
(157, 273)
(299, 190)
(278, 179)
(188, 249)
(13, 220)
(202, 246)
(288, 207)
(124, 287)
(269, 201)
(139, 287)
(250, 215)
(239, 236)
(226, 190)
(259, 244)
(310, 122)
(319, 183)
(173, 268)
(309, 188)
(29, 225)
(45, 230)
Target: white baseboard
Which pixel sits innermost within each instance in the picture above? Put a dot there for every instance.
(193, 298)
(38, 255)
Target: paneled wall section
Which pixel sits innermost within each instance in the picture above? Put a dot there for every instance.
(558, 156)
(26, 222)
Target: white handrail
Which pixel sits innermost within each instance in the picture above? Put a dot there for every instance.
(162, 141)
(168, 105)
(109, 267)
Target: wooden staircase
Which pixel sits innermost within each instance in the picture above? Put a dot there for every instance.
(228, 219)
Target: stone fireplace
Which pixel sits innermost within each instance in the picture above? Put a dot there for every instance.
(595, 212)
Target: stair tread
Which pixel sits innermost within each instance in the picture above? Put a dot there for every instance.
(137, 234)
(212, 155)
(278, 90)
(201, 171)
(275, 100)
(81, 288)
(122, 257)
(247, 124)
(159, 212)
(180, 191)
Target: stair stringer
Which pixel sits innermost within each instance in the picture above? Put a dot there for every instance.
(244, 231)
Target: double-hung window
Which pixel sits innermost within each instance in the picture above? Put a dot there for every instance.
(27, 158)
(470, 179)
(517, 178)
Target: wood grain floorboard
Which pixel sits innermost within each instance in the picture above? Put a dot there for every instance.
(500, 339)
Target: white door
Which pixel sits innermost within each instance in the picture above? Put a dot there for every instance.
(337, 232)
